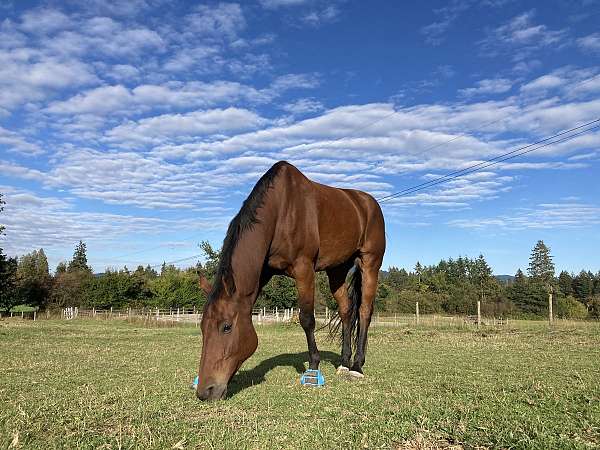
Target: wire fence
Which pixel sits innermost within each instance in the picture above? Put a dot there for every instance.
(264, 316)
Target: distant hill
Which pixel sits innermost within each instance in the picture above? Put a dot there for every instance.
(504, 278)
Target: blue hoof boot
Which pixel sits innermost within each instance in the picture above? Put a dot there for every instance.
(312, 378)
(195, 383)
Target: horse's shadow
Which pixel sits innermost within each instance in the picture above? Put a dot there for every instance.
(251, 377)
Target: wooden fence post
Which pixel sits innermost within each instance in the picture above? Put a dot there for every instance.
(417, 312)
(34, 315)
(478, 313)
(550, 318)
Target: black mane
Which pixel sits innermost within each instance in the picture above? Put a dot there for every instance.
(244, 220)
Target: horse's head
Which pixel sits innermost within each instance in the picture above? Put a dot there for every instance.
(228, 339)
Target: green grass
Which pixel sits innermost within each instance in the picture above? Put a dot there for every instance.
(110, 384)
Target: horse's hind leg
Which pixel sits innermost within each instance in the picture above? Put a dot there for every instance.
(305, 283)
(339, 289)
(369, 265)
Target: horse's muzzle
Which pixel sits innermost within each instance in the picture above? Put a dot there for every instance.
(212, 392)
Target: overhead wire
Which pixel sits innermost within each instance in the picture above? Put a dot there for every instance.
(497, 159)
(438, 180)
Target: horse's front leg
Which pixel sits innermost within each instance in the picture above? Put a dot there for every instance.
(304, 274)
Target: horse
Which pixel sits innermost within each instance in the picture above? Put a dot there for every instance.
(290, 225)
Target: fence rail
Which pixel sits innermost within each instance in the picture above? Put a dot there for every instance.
(277, 315)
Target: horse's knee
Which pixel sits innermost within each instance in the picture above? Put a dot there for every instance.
(307, 319)
(345, 313)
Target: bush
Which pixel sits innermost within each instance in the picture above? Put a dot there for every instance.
(570, 308)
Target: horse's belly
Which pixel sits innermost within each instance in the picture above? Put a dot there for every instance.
(336, 249)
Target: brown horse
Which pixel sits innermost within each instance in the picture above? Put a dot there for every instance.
(293, 226)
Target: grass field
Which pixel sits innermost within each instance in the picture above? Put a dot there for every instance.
(110, 384)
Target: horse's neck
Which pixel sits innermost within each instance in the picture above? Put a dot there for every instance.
(249, 258)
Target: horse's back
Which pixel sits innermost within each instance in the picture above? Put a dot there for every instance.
(335, 224)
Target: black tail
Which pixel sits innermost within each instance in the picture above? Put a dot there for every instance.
(355, 294)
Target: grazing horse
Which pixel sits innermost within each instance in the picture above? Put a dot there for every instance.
(290, 225)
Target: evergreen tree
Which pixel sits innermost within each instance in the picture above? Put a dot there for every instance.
(541, 267)
(483, 274)
(60, 268)
(565, 283)
(419, 270)
(79, 261)
(583, 285)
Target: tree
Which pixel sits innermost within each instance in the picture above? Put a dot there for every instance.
(541, 267)
(8, 281)
(583, 285)
(60, 268)
(279, 292)
(8, 274)
(2, 227)
(79, 261)
(565, 283)
(212, 260)
(419, 270)
(34, 278)
(483, 275)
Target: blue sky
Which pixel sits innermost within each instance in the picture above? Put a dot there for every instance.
(140, 126)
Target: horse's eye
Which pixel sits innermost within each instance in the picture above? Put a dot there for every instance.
(226, 328)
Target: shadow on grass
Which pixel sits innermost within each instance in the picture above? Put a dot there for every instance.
(251, 377)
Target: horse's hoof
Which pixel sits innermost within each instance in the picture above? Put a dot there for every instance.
(355, 374)
(342, 370)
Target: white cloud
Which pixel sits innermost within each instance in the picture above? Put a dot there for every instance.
(13, 142)
(125, 72)
(100, 100)
(181, 126)
(274, 4)
(44, 20)
(590, 43)
(33, 221)
(28, 75)
(522, 34)
(320, 17)
(488, 86)
(303, 106)
(223, 21)
(119, 99)
(543, 83)
(565, 215)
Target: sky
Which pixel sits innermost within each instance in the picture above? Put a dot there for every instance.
(140, 126)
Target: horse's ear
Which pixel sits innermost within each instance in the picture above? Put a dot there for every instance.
(204, 284)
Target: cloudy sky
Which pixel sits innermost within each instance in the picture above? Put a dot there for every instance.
(140, 126)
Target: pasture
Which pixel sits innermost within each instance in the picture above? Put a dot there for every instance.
(112, 385)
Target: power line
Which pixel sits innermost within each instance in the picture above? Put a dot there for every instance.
(389, 197)
(176, 261)
(498, 159)
(424, 184)
(509, 157)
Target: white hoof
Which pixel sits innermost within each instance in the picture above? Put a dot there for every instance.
(342, 370)
(355, 374)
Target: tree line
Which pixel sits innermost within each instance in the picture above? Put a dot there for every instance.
(452, 286)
